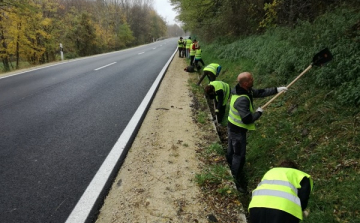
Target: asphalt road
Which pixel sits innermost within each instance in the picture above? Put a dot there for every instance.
(59, 123)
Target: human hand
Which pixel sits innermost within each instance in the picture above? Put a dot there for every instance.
(305, 213)
(259, 109)
(280, 89)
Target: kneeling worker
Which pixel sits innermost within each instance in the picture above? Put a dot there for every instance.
(281, 196)
(220, 91)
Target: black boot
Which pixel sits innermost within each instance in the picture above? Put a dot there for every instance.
(240, 188)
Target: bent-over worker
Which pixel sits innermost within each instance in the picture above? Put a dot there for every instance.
(220, 91)
(212, 71)
(281, 196)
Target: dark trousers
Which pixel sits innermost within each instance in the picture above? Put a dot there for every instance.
(197, 61)
(221, 113)
(210, 75)
(192, 60)
(181, 51)
(269, 215)
(235, 156)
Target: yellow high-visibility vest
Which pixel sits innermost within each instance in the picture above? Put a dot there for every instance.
(192, 52)
(234, 116)
(212, 68)
(180, 43)
(219, 85)
(188, 42)
(278, 190)
(197, 54)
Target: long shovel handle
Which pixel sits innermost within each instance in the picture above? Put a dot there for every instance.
(201, 78)
(278, 94)
(216, 120)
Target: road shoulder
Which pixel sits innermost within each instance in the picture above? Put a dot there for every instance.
(156, 181)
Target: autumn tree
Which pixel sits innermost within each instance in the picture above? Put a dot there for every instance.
(32, 30)
(158, 25)
(83, 35)
(4, 9)
(215, 18)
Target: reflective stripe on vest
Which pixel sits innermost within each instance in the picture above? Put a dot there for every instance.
(219, 85)
(212, 68)
(276, 193)
(279, 182)
(234, 116)
(192, 52)
(278, 190)
(197, 54)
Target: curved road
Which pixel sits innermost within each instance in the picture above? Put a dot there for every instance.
(59, 123)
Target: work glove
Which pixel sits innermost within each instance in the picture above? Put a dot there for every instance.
(280, 89)
(305, 214)
(259, 109)
(216, 110)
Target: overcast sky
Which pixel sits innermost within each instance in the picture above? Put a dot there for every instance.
(163, 8)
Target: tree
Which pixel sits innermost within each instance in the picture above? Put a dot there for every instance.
(84, 35)
(158, 26)
(125, 35)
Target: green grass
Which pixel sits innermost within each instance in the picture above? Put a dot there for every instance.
(316, 123)
(202, 117)
(214, 174)
(215, 149)
(22, 65)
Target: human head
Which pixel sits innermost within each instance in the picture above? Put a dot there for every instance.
(245, 80)
(210, 91)
(289, 164)
(180, 37)
(189, 37)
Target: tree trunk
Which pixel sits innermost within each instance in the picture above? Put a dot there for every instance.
(5, 58)
(17, 53)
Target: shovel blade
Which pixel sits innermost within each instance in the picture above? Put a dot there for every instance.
(322, 57)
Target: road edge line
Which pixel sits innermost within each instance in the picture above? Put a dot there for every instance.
(86, 206)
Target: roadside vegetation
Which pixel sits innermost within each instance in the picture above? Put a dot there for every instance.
(316, 123)
(31, 31)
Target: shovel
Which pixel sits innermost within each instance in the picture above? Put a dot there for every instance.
(216, 120)
(319, 59)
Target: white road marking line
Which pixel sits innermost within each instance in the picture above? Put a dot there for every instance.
(91, 195)
(141, 53)
(105, 66)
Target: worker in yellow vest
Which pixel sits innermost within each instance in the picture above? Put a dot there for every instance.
(193, 48)
(220, 92)
(181, 47)
(281, 196)
(241, 119)
(211, 71)
(188, 43)
(198, 58)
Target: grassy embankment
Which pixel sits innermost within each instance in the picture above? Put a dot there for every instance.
(317, 122)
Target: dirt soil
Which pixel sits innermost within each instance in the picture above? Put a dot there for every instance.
(156, 182)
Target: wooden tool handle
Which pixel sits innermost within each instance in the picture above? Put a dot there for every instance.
(278, 94)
